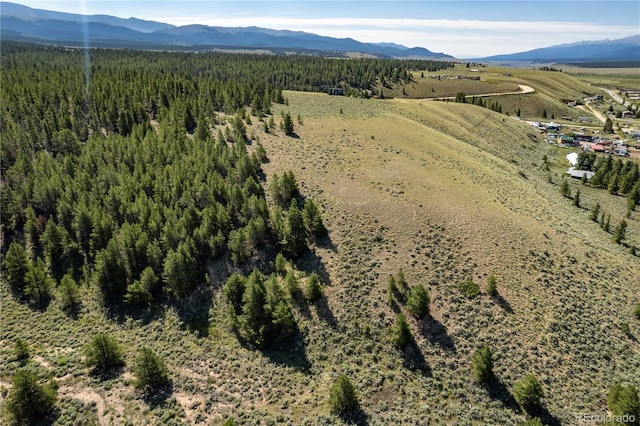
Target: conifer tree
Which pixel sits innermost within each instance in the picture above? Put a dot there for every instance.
(342, 395)
(29, 401)
(483, 365)
(149, 370)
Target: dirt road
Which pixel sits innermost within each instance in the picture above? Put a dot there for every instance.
(523, 90)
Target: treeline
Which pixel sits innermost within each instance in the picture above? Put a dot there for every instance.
(479, 101)
(133, 180)
(49, 90)
(617, 176)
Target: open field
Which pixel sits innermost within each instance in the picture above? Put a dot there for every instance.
(611, 78)
(444, 192)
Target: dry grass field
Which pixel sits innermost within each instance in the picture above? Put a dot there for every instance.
(443, 192)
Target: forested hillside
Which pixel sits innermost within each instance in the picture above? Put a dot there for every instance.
(129, 179)
(86, 177)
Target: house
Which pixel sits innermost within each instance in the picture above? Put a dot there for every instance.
(338, 91)
(577, 174)
(565, 140)
(628, 114)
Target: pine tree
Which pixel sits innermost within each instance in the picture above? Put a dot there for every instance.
(491, 287)
(21, 350)
(623, 401)
(400, 332)
(528, 392)
(312, 218)
(17, 265)
(294, 239)
(103, 353)
(620, 232)
(149, 370)
(594, 212)
(28, 401)
(418, 301)
(483, 365)
(38, 284)
(313, 289)
(564, 189)
(68, 294)
(342, 396)
(255, 318)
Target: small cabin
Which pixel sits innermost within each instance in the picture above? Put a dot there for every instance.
(337, 91)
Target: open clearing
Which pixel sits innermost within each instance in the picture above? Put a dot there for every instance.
(444, 192)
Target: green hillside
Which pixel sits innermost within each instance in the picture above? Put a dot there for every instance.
(299, 258)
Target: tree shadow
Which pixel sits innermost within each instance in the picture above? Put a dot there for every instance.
(41, 304)
(436, 333)
(325, 241)
(157, 398)
(413, 359)
(310, 262)
(498, 391)
(193, 310)
(543, 414)
(324, 312)
(110, 374)
(289, 352)
(503, 303)
(357, 416)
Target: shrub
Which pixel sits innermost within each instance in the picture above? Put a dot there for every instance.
(533, 422)
(21, 350)
(400, 332)
(103, 353)
(625, 328)
(491, 287)
(637, 311)
(528, 392)
(418, 301)
(342, 395)
(565, 190)
(28, 401)
(313, 289)
(150, 370)
(469, 288)
(623, 400)
(483, 365)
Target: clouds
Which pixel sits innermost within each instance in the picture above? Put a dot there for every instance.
(462, 28)
(457, 37)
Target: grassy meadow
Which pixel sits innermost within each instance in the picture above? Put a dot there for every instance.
(442, 191)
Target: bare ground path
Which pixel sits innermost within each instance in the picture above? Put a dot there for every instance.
(523, 90)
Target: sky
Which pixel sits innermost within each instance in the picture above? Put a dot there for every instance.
(464, 29)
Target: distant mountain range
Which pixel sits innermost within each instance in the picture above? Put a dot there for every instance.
(24, 23)
(18, 22)
(624, 49)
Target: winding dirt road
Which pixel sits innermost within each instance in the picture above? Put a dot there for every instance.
(523, 90)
